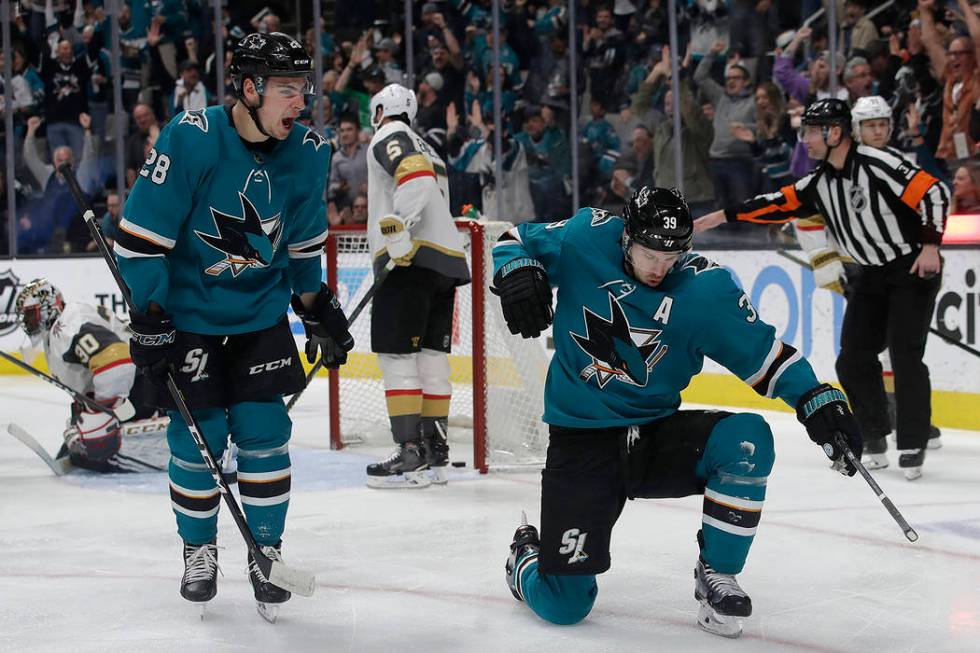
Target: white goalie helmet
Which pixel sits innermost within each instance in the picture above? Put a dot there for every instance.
(394, 100)
(38, 306)
(869, 108)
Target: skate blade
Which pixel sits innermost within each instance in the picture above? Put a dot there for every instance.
(201, 609)
(718, 624)
(268, 611)
(935, 443)
(912, 473)
(403, 481)
(438, 475)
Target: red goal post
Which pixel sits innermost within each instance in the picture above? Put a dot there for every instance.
(497, 378)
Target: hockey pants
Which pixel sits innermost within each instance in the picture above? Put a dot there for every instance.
(261, 431)
(734, 467)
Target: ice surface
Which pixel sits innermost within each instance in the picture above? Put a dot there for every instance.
(92, 563)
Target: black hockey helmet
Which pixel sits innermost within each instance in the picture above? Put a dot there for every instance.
(259, 56)
(658, 219)
(828, 112)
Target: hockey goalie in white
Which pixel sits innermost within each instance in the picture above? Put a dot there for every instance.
(87, 349)
(409, 222)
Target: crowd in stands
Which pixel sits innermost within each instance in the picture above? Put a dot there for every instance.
(747, 69)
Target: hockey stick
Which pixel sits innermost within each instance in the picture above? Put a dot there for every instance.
(932, 330)
(60, 466)
(77, 396)
(378, 280)
(277, 573)
(910, 533)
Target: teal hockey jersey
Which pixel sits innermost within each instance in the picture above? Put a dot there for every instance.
(220, 234)
(624, 351)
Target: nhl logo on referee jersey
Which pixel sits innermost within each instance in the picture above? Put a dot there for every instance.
(858, 199)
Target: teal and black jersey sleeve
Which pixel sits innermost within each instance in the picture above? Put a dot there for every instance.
(161, 200)
(308, 228)
(736, 337)
(540, 241)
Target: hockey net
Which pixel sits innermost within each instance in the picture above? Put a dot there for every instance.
(497, 378)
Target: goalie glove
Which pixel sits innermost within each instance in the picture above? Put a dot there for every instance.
(525, 296)
(828, 270)
(95, 435)
(326, 329)
(824, 412)
(398, 238)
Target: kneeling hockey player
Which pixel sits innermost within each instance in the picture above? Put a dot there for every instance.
(637, 313)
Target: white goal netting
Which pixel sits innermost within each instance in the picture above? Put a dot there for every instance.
(497, 378)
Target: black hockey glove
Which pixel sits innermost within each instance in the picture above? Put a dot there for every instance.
(326, 329)
(525, 296)
(824, 412)
(153, 345)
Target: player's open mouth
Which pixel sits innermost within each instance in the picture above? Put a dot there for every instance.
(287, 123)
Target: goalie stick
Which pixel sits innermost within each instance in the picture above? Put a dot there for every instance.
(910, 533)
(382, 275)
(77, 396)
(61, 464)
(278, 573)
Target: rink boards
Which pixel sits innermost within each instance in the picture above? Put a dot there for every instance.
(805, 316)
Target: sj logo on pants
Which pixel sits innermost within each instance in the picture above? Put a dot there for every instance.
(573, 542)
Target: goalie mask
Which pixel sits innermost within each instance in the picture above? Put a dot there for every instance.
(38, 306)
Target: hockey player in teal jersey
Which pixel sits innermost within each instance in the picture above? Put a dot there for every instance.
(637, 313)
(222, 231)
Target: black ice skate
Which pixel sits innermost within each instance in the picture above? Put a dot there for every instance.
(723, 602)
(200, 581)
(874, 456)
(436, 447)
(404, 469)
(935, 438)
(523, 551)
(267, 596)
(910, 460)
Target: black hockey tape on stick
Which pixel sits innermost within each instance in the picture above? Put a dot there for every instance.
(892, 510)
(932, 330)
(77, 396)
(382, 275)
(277, 573)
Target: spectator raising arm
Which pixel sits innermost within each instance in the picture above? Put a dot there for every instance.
(711, 89)
(931, 38)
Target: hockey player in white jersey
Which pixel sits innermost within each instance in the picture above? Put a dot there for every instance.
(411, 322)
(87, 349)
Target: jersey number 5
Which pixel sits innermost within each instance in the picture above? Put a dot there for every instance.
(156, 167)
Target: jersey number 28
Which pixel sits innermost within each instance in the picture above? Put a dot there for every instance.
(156, 167)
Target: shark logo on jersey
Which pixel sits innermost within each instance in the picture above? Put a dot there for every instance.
(247, 241)
(196, 118)
(601, 217)
(618, 351)
(698, 264)
(313, 137)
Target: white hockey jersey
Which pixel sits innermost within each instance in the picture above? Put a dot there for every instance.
(408, 179)
(88, 350)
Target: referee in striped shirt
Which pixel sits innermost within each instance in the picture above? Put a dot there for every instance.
(889, 216)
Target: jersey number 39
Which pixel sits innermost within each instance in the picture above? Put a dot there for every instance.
(156, 167)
